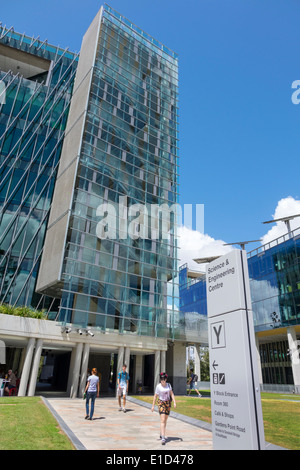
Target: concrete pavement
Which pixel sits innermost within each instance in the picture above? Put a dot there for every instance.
(137, 429)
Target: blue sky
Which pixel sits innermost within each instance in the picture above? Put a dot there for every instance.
(239, 130)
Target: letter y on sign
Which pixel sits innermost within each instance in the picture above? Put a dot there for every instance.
(217, 335)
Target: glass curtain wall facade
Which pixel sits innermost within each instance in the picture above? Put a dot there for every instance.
(192, 307)
(36, 80)
(274, 273)
(128, 155)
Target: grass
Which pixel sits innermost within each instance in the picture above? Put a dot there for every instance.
(27, 424)
(281, 415)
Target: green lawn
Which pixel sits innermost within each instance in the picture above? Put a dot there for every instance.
(281, 415)
(27, 424)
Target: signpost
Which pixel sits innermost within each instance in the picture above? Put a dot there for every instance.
(237, 421)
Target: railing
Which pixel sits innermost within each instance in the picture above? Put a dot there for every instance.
(293, 234)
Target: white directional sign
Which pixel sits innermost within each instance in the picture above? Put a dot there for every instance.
(237, 421)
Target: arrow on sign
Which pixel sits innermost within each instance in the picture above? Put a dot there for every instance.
(215, 365)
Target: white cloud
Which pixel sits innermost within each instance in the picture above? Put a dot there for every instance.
(194, 244)
(285, 207)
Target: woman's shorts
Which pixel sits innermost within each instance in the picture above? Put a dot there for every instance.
(164, 407)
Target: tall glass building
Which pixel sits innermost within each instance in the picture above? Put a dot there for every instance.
(89, 190)
(274, 273)
(36, 85)
(121, 154)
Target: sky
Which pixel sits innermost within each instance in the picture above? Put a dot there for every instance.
(239, 129)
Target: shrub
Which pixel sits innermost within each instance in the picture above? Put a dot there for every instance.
(23, 311)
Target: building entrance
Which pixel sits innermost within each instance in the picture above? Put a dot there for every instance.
(54, 371)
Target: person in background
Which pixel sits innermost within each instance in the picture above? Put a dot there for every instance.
(192, 383)
(165, 396)
(92, 391)
(123, 381)
(12, 381)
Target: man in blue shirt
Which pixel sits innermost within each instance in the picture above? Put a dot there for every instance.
(123, 380)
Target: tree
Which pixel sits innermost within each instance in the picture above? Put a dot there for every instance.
(204, 366)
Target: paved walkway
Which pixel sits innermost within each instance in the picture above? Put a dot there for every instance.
(137, 429)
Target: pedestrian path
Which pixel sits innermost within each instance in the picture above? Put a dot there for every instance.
(137, 429)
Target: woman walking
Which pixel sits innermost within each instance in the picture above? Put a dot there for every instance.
(165, 395)
(92, 391)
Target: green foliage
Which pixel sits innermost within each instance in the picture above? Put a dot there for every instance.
(23, 311)
(204, 366)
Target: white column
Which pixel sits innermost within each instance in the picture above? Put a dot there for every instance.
(76, 370)
(197, 369)
(120, 359)
(179, 368)
(127, 358)
(258, 360)
(163, 361)
(138, 370)
(35, 367)
(294, 354)
(22, 360)
(156, 368)
(119, 363)
(26, 367)
(84, 367)
(71, 369)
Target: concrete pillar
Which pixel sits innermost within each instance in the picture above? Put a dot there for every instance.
(84, 367)
(22, 360)
(119, 364)
(35, 367)
(71, 369)
(138, 371)
(294, 354)
(26, 367)
(163, 361)
(197, 368)
(120, 359)
(258, 360)
(76, 371)
(157, 370)
(127, 358)
(179, 368)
